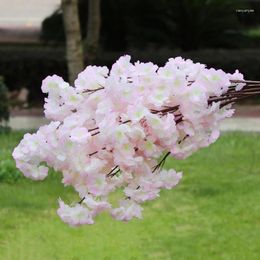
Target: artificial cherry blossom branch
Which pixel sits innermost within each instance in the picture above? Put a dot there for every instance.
(140, 111)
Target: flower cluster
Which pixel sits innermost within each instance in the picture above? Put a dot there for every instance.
(108, 131)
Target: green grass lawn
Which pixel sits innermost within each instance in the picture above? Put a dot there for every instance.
(213, 214)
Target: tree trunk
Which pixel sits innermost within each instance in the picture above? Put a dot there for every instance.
(74, 48)
(93, 30)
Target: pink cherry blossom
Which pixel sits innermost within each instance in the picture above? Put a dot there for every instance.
(128, 210)
(96, 206)
(75, 215)
(115, 129)
(79, 135)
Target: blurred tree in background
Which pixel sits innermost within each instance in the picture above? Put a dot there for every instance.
(74, 48)
(187, 24)
(93, 30)
(203, 23)
(4, 112)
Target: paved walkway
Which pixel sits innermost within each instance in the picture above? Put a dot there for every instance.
(27, 122)
(229, 124)
(247, 124)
